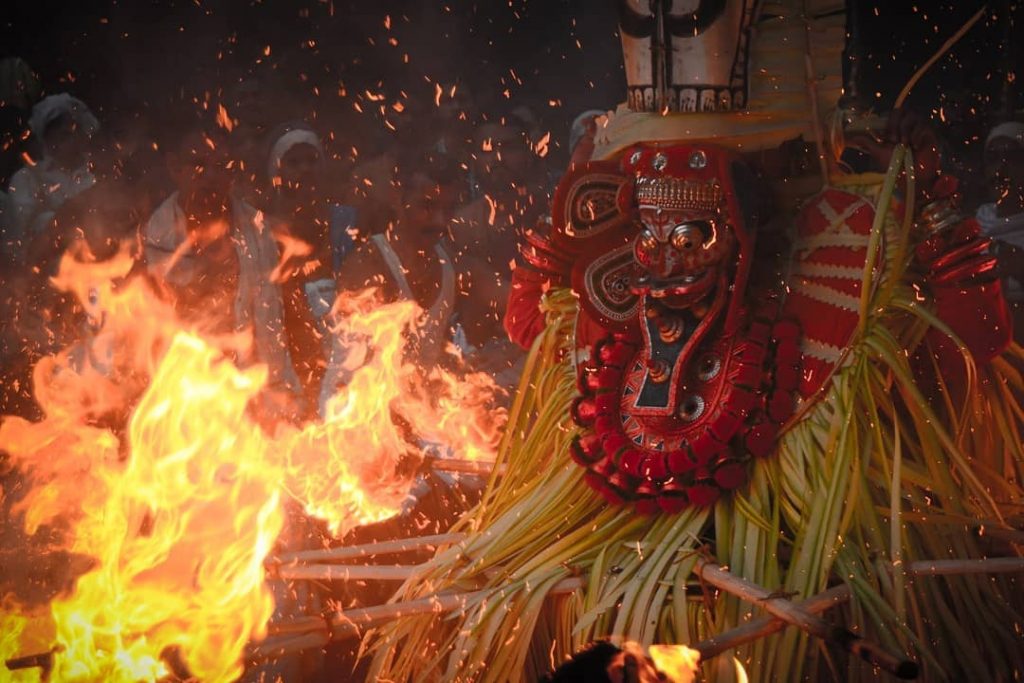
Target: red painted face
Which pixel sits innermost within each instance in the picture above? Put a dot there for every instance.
(681, 254)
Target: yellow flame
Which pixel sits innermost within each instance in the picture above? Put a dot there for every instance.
(17, 632)
(678, 662)
(179, 513)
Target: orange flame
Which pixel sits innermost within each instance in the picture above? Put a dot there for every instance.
(179, 512)
(291, 248)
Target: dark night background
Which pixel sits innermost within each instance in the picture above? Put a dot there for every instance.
(144, 60)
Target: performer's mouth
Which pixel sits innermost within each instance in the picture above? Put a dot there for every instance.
(681, 291)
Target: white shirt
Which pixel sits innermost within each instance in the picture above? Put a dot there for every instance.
(1009, 229)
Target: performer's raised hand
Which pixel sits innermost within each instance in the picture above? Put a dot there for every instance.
(905, 127)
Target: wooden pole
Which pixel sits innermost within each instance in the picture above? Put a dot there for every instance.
(345, 572)
(296, 625)
(990, 565)
(345, 624)
(833, 597)
(478, 467)
(311, 632)
(404, 545)
(348, 624)
(790, 613)
(767, 625)
(43, 660)
(275, 648)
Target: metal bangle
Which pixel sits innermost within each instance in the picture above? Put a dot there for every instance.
(938, 215)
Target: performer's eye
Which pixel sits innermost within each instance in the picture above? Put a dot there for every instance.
(647, 241)
(687, 236)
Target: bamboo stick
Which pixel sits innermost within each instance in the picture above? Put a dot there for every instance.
(296, 625)
(767, 625)
(275, 648)
(787, 611)
(478, 467)
(346, 624)
(403, 545)
(990, 565)
(345, 572)
(1009, 535)
(349, 624)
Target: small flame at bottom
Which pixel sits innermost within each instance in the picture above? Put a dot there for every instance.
(678, 662)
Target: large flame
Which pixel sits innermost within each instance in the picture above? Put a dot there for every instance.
(178, 513)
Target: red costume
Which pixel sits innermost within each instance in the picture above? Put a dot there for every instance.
(689, 371)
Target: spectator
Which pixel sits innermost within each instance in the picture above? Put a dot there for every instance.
(19, 88)
(64, 127)
(314, 234)
(1003, 219)
(581, 135)
(408, 259)
(92, 226)
(214, 255)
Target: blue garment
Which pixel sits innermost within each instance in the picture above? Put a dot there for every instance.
(320, 294)
(342, 219)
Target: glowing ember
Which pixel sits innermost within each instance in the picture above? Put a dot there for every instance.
(224, 119)
(541, 147)
(178, 514)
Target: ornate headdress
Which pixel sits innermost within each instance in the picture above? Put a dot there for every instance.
(685, 56)
(747, 74)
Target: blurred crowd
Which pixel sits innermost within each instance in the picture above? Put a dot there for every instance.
(248, 217)
(250, 213)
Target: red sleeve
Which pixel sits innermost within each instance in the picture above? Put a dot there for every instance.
(523, 317)
(961, 272)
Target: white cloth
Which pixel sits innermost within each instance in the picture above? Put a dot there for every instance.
(1008, 229)
(35, 194)
(579, 126)
(296, 136)
(38, 190)
(1009, 129)
(52, 107)
(258, 301)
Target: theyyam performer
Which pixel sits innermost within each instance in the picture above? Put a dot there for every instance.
(803, 384)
